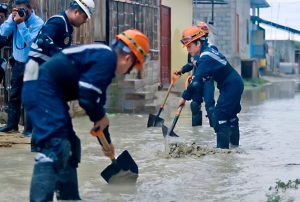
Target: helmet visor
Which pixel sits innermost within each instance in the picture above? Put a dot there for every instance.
(187, 39)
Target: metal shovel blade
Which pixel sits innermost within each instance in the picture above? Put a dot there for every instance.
(123, 170)
(166, 132)
(155, 121)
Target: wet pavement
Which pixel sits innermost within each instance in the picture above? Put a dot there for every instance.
(269, 151)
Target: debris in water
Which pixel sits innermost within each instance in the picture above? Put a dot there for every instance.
(277, 193)
(179, 150)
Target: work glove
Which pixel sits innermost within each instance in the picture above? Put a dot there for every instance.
(181, 102)
(178, 72)
(101, 124)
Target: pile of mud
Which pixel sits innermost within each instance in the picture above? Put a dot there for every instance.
(179, 150)
(8, 140)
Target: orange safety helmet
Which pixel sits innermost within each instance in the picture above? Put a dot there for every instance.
(138, 43)
(190, 34)
(202, 25)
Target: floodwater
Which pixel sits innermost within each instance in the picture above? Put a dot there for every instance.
(269, 151)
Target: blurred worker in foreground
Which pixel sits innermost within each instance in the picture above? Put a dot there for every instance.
(81, 73)
(211, 64)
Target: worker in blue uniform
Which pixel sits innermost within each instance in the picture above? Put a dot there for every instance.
(211, 64)
(56, 34)
(23, 25)
(201, 90)
(80, 73)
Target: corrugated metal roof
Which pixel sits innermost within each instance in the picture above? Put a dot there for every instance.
(259, 4)
(210, 1)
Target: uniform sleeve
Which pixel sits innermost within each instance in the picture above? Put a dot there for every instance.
(46, 40)
(93, 84)
(30, 33)
(187, 68)
(202, 71)
(7, 27)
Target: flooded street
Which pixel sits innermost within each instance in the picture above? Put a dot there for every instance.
(269, 151)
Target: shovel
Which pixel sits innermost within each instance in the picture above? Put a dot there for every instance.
(122, 170)
(170, 132)
(155, 120)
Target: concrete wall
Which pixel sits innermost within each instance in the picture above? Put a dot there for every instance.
(230, 33)
(181, 18)
(280, 51)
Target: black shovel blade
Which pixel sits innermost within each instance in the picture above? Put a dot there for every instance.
(123, 170)
(165, 131)
(155, 121)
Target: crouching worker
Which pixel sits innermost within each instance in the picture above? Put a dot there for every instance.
(81, 73)
(211, 64)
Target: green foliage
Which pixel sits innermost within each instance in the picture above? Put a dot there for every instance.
(281, 187)
(257, 82)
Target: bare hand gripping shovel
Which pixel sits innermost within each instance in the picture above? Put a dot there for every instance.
(122, 170)
(170, 132)
(155, 120)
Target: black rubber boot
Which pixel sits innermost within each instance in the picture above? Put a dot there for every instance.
(223, 135)
(210, 117)
(43, 182)
(27, 125)
(12, 122)
(235, 132)
(196, 114)
(235, 136)
(67, 184)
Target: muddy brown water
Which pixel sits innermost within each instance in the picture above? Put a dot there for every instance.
(269, 151)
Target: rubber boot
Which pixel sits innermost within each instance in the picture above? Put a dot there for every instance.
(223, 135)
(210, 111)
(12, 122)
(67, 184)
(196, 114)
(235, 132)
(27, 125)
(43, 182)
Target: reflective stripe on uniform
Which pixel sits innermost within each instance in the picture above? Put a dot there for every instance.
(35, 54)
(90, 86)
(214, 56)
(82, 48)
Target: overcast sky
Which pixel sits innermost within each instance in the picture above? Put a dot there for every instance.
(283, 12)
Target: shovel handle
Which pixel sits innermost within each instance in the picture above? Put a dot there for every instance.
(173, 80)
(101, 138)
(179, 110)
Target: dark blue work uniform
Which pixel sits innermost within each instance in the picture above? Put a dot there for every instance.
(212, 64)
(201, 90)
(81, 73)
(55, 35)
